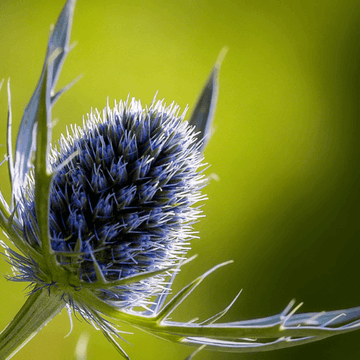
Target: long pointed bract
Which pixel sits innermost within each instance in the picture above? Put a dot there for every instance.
(25, 142)
(9, 138)
(204, 111)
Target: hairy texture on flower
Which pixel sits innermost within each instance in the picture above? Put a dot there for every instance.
(122, 198)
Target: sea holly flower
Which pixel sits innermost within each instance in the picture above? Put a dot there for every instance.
(101, 222)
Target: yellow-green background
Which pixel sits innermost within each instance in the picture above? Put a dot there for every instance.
(286, 148)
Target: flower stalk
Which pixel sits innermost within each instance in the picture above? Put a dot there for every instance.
(41, 306)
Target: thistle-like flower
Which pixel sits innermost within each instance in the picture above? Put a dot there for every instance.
(101, 222)
(120, 202)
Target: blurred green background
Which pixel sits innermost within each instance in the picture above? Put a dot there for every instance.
(285, 148)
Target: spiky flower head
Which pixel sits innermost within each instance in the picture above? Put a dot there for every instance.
(123, 201)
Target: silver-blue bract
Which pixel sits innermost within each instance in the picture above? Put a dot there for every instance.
(101, 222)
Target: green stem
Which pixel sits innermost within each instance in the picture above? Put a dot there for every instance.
(40, 307)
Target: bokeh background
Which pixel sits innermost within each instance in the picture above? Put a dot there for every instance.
(285, 148)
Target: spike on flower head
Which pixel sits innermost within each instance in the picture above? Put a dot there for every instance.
(123, 200)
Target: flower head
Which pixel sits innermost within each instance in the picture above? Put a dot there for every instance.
(123, 200)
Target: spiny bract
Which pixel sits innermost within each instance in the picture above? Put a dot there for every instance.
(122, 198)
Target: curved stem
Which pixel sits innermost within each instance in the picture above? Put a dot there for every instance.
(40, 307)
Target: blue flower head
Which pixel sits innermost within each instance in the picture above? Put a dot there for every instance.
(123, 201)
(101, 222)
